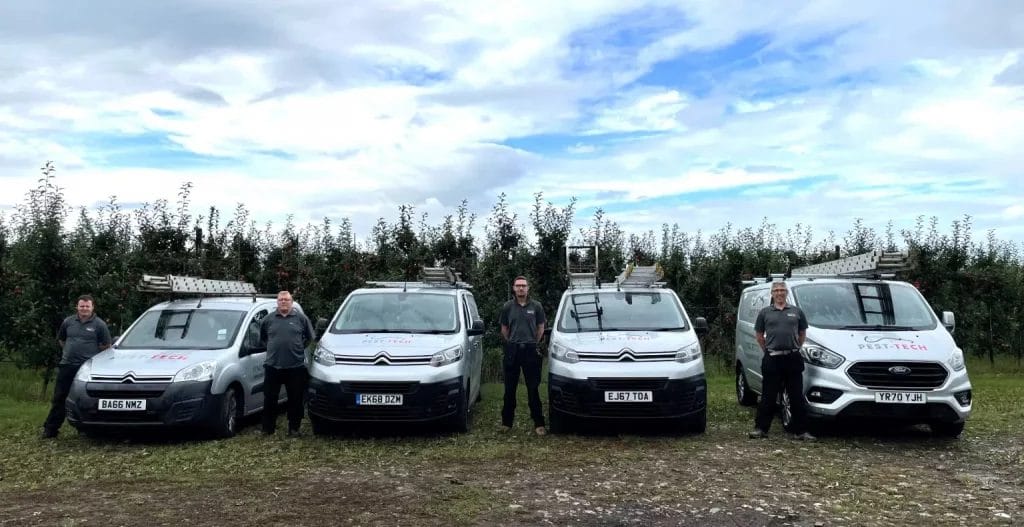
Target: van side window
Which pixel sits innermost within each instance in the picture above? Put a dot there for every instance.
(474, 313)
(252, 332)
(751, 304)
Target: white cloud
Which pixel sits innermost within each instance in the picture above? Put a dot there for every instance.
(350, 110)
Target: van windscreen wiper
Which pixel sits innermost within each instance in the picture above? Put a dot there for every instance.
(877, 327)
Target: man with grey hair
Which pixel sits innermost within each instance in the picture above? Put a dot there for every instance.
(781, 329)
(286, 333)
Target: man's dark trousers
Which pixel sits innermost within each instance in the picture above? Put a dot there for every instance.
(61, 388)
(294, 381)
(779, 371)
(526, 358)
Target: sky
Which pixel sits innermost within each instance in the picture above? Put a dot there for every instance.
(700, 114)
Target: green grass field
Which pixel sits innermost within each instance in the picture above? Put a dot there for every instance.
(466, 477)
(29, 462)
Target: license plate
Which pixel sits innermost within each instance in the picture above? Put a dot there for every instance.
(901, 397)
(121, 405)
(379, 399)
(629, 397)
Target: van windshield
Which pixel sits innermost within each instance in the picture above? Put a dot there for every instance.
(621, 311)
(867, 306)
(399, 313)
(184, 329)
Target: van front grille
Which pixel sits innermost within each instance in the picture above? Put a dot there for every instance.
(905, 375)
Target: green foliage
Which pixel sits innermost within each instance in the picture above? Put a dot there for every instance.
(44, 265)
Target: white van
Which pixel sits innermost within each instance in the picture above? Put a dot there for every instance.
(624, 350)
(193, 362)
(400, 352)
(874, 348)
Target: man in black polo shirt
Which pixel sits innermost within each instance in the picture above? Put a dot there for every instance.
(522, 326)
(286, 333)
(781, 329)
(80, 336)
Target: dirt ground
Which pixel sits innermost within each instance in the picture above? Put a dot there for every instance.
(849, 478)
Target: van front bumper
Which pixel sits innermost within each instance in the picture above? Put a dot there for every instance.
(832, 395)
(167, 405)
(672, 398)
(337, 401)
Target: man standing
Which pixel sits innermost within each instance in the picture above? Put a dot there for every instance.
(781, 329)
(286, 333)
(80, 336)
(522, 326)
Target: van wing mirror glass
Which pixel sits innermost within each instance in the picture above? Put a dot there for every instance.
(321, 324)
(949, 321)
(700, 324)
(477, 328)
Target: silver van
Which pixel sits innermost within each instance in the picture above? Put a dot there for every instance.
(400, 352)
(874, 349)
(624, 350)
(193, 362)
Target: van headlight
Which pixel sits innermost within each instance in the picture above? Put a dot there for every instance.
(956, 361)
(446, 357)
(564, 354)
(84, 371)
(821, 356)
(688, 354)
(197, 372)
(324, 356)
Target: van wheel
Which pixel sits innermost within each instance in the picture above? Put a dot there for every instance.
(460, 421)
(786, 408)
(231, 411)
(947, 429)
(320, 425)
(557, 421)
(744, 395)
(698, 424)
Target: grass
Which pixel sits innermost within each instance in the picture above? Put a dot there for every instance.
(29, 463)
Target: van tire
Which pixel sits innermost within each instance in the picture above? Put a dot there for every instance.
(744, 395)
(785, 411)
(232, 410)
(698, 424)
(459, 422)
(942, 429)
(320, 425)
(557, 422)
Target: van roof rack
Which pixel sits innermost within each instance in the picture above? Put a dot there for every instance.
(876, 264)
(193, 285)
(581, 265)
(198, 287)
(641, 276)
(442, 277)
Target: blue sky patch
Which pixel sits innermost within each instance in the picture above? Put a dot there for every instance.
(166, 113)
(556, 145)
(145, 150)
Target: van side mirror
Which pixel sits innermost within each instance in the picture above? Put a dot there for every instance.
(547, 333)
(700, 325)
(949, 321)
(477, 328)
(321, 326)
